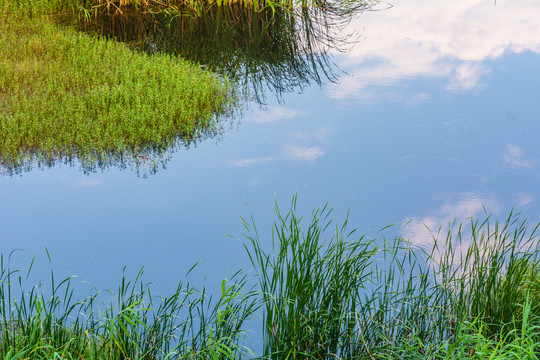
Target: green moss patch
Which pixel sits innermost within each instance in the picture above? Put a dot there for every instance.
(65, 94)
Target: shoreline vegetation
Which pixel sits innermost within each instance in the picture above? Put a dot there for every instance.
(198, 7)
(70, 97)
(65, 95)
(322, 292)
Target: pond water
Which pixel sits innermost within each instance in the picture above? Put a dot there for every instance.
(434, 115)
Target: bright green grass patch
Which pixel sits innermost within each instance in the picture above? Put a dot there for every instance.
(66, 95)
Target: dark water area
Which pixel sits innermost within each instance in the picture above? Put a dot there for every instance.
(421, 112)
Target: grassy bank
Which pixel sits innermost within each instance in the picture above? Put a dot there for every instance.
(322, 292)
(65, 95)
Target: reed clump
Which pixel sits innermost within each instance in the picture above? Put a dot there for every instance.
(200, 7)
(176, 6)
(322, 292)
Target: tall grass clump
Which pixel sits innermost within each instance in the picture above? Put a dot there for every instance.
(199, 6)
(48, 323)
(327, 295)
(310, 289)
(487, 275)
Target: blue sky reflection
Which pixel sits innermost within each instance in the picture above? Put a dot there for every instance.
(450, 40)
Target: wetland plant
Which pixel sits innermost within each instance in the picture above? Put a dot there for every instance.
(67, 96)
(322, 292)
(189, 324)
(326, 294)
(198, 7)
(260, 52)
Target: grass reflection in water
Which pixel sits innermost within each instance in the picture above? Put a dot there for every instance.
(66, 96)
(273, 50)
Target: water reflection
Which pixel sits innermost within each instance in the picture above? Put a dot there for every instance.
(143, 161)
(277, 52)
(423, 230)
(447, 41)
(268, 51)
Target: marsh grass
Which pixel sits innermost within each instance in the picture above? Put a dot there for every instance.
(263, 52)
(310, 289)
(198, 7)
(65, 95)
(322, 292)
(190, 324)
(358, 298)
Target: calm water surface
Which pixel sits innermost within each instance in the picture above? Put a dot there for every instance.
(437, 116)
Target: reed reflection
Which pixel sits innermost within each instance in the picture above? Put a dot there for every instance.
(271, 51)
(267, 51)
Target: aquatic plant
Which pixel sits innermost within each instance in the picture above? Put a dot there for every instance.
(311, 290)
(68, 96)
(490, 278)
(200, 6)
(326, 294)
(48, 323)
(323, 292)
(261, 52)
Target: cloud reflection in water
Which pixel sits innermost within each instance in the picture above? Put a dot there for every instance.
(436, 39)
(423, 230)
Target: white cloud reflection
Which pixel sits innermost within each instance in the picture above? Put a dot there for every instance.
(524, 199)
(422, 231)
(252, 161)
(302, 153)
(322, 134)
(275, 114)
(437, 39)
(515, 158)
(307, 154)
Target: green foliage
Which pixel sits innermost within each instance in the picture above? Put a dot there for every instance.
(310, 289)
(321, 294)
(326, 295)
(491, 275)
(66, 95)
(187, 325)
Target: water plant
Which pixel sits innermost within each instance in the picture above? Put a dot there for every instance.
(65, 95)
(47, 323)
(322, 292)
(310, 289)
(200, 6)
(366, 298)
(261, 52)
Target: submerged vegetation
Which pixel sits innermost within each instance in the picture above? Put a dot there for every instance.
(322, 291)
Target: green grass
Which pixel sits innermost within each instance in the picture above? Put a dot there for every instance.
(322, 292)
(189, 324)
(229, 40)
(200, 6)
(65, 95)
